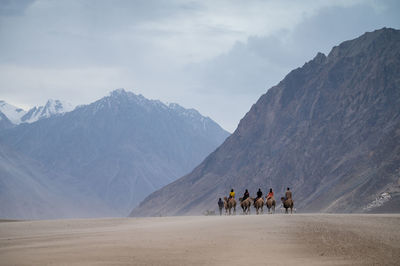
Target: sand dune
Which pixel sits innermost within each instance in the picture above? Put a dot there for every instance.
(300, 239)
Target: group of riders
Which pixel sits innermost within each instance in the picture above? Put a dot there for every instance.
(288, 195)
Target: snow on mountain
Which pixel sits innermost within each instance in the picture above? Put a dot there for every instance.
(121, 147)
(17, 115)
(119, 96)
(52, 107)
(12, 112)
(193, 115)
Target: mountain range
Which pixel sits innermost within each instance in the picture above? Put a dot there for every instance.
(330, 130)
(110, 154)
(11, 115)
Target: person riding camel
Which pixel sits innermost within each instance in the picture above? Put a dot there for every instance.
(259, 195)
(288, 194)
(270, 194)
(231, 194)
(245, 195)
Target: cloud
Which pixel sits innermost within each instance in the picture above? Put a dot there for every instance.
(14, 8)
(215, 56)
(253, 66)
(68, 33)
(79, 33)
(26, 87)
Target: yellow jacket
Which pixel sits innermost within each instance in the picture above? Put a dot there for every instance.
(232, 194)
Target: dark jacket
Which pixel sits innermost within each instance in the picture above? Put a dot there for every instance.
(259, 194)
(220, 204)
(246, 195)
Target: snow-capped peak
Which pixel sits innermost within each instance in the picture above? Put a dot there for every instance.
(126, 96)
(17, 115)
(12, 112)
(118, 92)
(57, 106)
(52, 107)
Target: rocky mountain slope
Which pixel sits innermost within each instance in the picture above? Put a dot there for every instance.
(329, 130)
(5, 122)
(121, 147)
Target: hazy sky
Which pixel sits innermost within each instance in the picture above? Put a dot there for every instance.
(215, 56)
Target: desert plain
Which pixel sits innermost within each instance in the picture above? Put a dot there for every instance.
(277, 239)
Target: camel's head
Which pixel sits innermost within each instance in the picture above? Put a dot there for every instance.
(283, 199)
(225, 198)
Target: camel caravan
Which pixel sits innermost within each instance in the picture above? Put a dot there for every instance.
(229, 203)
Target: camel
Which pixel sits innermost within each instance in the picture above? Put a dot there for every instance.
(259, 204)
(271, 203)
(287, 204)
(229, 204)
(246, 204)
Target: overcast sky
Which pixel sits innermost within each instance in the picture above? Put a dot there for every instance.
(215, 56)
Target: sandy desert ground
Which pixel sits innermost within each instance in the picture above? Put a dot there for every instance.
(298, 239)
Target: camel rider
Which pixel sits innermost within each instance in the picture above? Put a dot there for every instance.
(288, 194)
(231, 194)
(246, 195)
(270, 194)
(259, 195)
